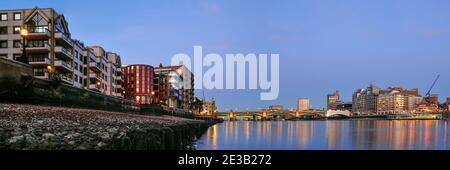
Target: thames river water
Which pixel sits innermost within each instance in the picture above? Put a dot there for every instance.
(328, 135)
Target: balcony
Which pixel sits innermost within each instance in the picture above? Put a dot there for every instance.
(63, 40)
(94, 87)
(119, 86)
(39, 61)
(66, 79)
(95, 67)
(41, 75)
(63, 53)
(38, 48)
(63, 66)
(95, 77)
(38, 32)
(119, 79)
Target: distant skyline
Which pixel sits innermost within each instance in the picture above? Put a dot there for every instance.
(324, 46)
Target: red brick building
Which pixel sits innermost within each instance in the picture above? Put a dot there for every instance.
(138, 83)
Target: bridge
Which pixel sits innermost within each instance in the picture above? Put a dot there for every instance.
(270, 115)
(338, 113)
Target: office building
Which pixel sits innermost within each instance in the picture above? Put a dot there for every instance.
(303, 105)
(333, 100)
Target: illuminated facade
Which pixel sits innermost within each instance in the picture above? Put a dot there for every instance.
(364, 101)
(209, 108)
(333, 100)
(303, 105)
(138, 83)
(174, 88)
(53, 54)
(49, 47)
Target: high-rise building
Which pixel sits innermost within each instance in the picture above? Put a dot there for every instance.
(303, 105)
(333, 100)
(364, 101)
(138, 83)
(174, 87)
(53, 54)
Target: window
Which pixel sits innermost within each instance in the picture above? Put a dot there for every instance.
(3, 56)
(3, 44)
(17, 16)
(39, 71)
(3, 17)
(17, 44)
(36, 43)
(3, 30)
(16, 29)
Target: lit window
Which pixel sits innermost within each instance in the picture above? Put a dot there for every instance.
(3, 17)
(17, 16)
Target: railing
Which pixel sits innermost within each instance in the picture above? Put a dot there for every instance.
(38, 29)
(39, 73)
(37, 59)
(34, 45)
(65, 37)
(65, 51)
(65, 78)
(63, 63)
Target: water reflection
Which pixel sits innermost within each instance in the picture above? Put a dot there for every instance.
(327, 135)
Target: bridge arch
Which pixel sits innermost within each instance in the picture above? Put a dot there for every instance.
(334, 113)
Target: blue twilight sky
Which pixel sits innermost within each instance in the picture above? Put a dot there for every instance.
(324, 45)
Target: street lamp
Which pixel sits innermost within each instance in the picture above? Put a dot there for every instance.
(24, 34)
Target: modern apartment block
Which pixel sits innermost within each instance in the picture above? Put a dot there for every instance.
(364, 101)
(333, 100)
(393, 100)
(448, 103)
(49, 46)
(174, 87)
(397, 101)
(209, 108)
(52, 52)
(303, 105)
(138, 83)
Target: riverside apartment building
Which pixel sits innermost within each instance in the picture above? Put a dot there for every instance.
(51, 50)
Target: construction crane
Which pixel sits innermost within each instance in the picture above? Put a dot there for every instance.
(432, 86)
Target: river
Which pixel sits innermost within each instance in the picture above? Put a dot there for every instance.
(328, 135)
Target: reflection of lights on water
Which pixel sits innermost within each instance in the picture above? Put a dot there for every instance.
(360, 134)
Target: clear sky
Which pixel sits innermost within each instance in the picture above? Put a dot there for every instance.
(324, 45)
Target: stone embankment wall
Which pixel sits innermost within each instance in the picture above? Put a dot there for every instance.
(30, 127)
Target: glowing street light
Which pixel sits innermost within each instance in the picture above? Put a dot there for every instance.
(24, 34)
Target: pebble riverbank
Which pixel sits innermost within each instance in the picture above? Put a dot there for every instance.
(30, 127)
